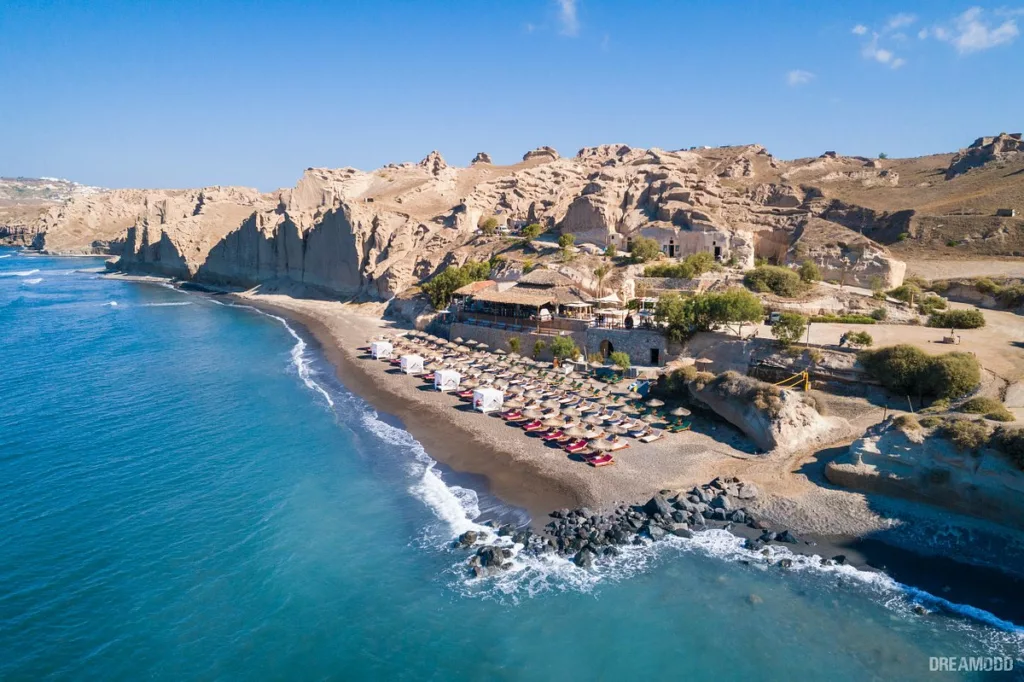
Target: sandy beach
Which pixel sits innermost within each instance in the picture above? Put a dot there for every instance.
(526, 472)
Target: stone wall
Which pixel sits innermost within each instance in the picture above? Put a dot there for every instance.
(638, 343)
(498, 338)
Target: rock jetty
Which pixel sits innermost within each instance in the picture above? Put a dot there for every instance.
(586, 537)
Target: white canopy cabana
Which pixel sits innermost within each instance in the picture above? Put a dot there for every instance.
(447, 380)
(488, 399)
(381, 350)
(412, 364)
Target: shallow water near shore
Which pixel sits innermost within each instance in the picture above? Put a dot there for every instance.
(187, 492)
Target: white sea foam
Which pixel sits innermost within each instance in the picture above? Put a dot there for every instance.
(33, 280)
(7, 255)
(166, 305)
(112, 304)
(19, 273)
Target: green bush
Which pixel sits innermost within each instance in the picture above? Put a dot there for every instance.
(990, 407)
(906, 370)
(441, 288)
(774, 279)
(966, 434)
(931, 303)
(789, 328)
(879, 314)
(906, 293)
(610, 251)
(620, 358)
(957, 319)
(809, 272)
(644, 250)
(1010, 442)
(515, 344)
(566, 240)
(862, 339)
(684, 316)
(563, 347)
(907, 422)
(931, 421)
(538, 348)
(847, 318)
(532, 231)
(1011, 296)
(690, 267)
(489, 226)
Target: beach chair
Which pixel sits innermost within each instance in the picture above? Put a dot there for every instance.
(576, 445)
(535, 425)
(639, 433)
(679, 428)
(511, 415)
(553, 435)
(652, 436)
(601, 460)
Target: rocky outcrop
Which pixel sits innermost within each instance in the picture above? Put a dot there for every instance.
(918, 464)
(985, 150)
(774, 419)
(541, 153)
(482, 157)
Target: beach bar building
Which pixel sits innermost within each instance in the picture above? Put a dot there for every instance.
(412, 364)
(446, 380)
(381, 350)
(487, 400)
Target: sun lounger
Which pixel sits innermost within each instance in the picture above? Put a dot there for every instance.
(679, 428)
(511, 415)
(600, 460)
(639, 433)
(576, 445)
(533, 426)
(553, 435)
(652, 436)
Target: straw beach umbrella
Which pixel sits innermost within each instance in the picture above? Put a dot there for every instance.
(680, 412)
(654, 402)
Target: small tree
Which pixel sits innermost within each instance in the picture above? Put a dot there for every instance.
(595, 359)
(563, 347)
(515, 344)
(809, 272)
(532, 231)
(883, 155)
(610, 251)
(790, 328)
(877, 284)
(538, 348)
(862, 339)
(566, 241)
(601, 271)
(620, 358)
(489, 226)
(735, 307)
(644, 250)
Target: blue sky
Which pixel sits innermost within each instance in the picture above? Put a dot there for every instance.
(181, 94)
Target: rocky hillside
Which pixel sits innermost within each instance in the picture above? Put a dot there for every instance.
(23, 201)
(373, 234)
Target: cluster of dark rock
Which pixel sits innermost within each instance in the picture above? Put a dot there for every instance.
(586, 536)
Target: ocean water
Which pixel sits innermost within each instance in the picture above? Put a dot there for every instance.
(186, 493)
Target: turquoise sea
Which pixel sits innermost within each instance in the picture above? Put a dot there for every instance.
(187, 493)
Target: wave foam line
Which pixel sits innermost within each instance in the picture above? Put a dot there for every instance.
(33, 280)
(298, 353)
(166, 305)
(21, 273)
(7, 255)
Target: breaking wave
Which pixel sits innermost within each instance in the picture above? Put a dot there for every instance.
(19, 273)
(166, 305)
(33, 280)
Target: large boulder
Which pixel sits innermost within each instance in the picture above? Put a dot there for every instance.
(985, 150)
(772, 417)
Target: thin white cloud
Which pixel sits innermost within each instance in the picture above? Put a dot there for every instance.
(879, 54)
(922, 34)
(899, 21)
(568, 16)
(859, 30)
(898, 62)
(972, 32)
(798, 77)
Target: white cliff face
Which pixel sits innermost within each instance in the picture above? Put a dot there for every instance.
(921, 465)
(373, 234)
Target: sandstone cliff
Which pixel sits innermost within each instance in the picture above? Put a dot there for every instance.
(920, 465)
(374, 234)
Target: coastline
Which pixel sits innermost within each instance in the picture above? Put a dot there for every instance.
(522, 473)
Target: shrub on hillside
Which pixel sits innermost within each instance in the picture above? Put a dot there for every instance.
(906, 370)
(809, 272)
(906, 293)
(847, 318)
(989, 407)
(644, 250)
(957, 319)
(1010, 442)
(620, 358)
(967, 434)
(907, 422)
(862, 339)
(774, 279)
(789, 328)
(690, 267)
(489, 225)
(930, 304)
